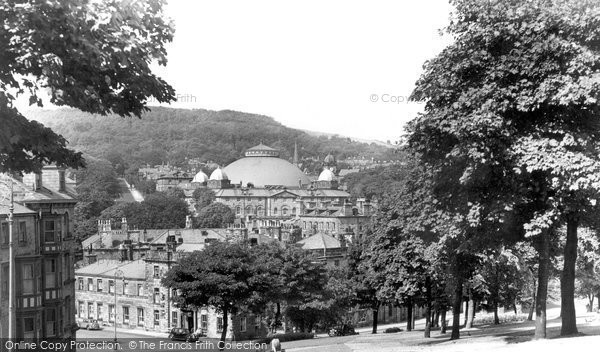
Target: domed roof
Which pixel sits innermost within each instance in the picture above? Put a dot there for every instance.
(262, 167)
(326, 175)
(200, 177)
(219, 174)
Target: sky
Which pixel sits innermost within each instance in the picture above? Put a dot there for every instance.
(344, 67)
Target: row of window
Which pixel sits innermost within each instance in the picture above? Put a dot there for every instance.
(98, 286)
(250, 210)
(52, 230)
(318, 225)
(26, 326)
(28, 277)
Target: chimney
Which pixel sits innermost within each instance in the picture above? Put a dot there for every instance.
(347, 208)
(188, 222)
(124, 226)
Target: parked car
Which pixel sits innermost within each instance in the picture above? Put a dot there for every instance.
(182, 334)
(89, 324)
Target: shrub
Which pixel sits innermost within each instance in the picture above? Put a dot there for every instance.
(391, 330)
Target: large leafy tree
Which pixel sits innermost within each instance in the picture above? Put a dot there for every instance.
(91, 55)
(511, 121)
(215, 215)
(224, 275)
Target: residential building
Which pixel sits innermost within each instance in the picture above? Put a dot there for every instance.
(44, 251)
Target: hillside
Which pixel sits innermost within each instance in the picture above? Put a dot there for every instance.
(172, 135)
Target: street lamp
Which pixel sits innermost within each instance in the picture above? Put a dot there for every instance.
(118, 272)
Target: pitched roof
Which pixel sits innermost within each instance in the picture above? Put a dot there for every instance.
(192, 239)
(107, 268)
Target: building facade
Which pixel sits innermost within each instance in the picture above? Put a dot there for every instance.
(43, 246)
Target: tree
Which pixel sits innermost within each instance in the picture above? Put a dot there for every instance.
(203, 197)
(163, 211)
(223, 275)
(103, 67)
(510, 116)
(216, 215)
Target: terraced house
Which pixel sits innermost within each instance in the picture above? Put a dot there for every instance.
(42, 271)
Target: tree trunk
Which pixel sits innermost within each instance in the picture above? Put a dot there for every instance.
(470, 312)
(443, 317)
(533, 301)
(224, 332)
(375, 315)
(427, 332)
(496, 319)
(567, 285)
(436, 318)
(542, 289)
(456, 309)
(277, 318)
(466, 310)
(409, 314)
(591, 307)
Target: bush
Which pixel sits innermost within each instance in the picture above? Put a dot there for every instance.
(391, 330)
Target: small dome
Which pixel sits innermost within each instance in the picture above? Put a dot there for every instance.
(326, 175)
(200, 177)
(218, 175)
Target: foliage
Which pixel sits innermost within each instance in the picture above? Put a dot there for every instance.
(203, 197)
(158, 211)
(510, 120)
(167, 135)
(103, 67)
(224, 275)
(373, 184)
(215, 215)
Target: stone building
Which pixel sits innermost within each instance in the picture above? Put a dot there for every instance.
(44, 255)
(134, 271)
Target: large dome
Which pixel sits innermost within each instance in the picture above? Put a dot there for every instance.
(262, 168)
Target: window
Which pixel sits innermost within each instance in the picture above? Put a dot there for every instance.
(111, 313)
(81, 309)
(156, 318)
(90, 284)
(174, 319)
(156, 272)
(238, 210)
(50, 273)
(156, 295)
(125, 288)
(28, 279)
(140, 316)
(125, 315)
(275, 211)
(4, 230)
(111, 286)
(50, 231)
(140, 289)
(204, 322)
(243, 322)
(5, 275)
(99, 311)
(219, 324)
(284, 211)
(259, 211)
(99, 286)
(22, 232)
(293, 211)
(28, 328)
(90, 307)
